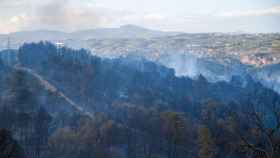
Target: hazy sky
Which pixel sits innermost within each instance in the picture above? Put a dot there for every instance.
(170, 15)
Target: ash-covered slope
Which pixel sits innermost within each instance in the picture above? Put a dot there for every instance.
(25, 91)
(125, 90)
(269, 76)
(216, 56)
(96, 83)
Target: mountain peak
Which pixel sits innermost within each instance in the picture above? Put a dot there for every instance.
(130, 26)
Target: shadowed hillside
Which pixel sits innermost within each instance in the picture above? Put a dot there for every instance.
(61, 102)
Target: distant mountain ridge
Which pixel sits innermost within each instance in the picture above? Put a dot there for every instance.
(123, 32)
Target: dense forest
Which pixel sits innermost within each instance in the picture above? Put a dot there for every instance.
(65, 103)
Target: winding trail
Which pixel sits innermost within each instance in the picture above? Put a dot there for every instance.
(48, 86)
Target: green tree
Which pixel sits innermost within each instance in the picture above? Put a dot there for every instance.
(174, 130)
(206, 143)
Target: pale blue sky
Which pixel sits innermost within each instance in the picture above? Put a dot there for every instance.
(169, 15)
(186, 6)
